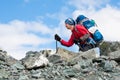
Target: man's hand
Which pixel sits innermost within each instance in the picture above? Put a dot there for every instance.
(57, 37)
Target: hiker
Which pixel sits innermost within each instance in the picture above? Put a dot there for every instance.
(79, 36)
(92, 27)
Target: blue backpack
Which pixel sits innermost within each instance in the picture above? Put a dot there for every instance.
(91, 26)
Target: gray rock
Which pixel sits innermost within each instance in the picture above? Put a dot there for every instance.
(36, 75)
(23, 77)
(109, 66)
(4, 74)
(64, 65)
(35, 61)
(18, 66)
(90, 54)
(69, 73)
(7, 58)
(65, 54)
(115, 55)
(93, 77)
(85, 63)
(55, 59)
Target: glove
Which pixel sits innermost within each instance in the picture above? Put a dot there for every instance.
(57, 37)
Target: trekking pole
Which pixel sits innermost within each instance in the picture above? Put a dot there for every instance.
(56, 47)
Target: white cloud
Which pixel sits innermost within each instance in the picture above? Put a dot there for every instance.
(108, 18)
(17, 35)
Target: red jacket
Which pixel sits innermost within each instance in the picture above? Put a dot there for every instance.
(76, 34)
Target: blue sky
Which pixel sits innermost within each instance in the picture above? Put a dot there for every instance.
(29, 10)
(31, 24)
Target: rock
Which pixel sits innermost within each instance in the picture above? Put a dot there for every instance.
(39, 60)
(23, 77)
(74, 79)
(69, 73)
(109, 65)
(115, 55)
(65, 54)
(63, 65)
(4, 74)
(36, 75)
(116, 77)
(6, 58)
(93, 77)
(85, 63)
(109, 46)
(90, 54)
(68, 55)
(55, 59)
(18, 66)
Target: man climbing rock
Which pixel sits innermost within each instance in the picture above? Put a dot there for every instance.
(80, 36)
(92, 27)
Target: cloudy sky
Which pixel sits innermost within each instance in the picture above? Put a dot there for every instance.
(27, 25)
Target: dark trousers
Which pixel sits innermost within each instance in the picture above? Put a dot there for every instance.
(86, 47)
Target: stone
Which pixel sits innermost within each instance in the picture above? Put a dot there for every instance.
(115, 55)
(90, 54)
(54, 58)
(23, 77)
(93, 77)
(65, 54)
(109, 66)
(18, 66)
(4, 74)
(35, 61)
(63, 65)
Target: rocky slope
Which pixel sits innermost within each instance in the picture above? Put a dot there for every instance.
(106, 47)
(63, 65)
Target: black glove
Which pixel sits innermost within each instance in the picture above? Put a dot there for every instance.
(57, 37)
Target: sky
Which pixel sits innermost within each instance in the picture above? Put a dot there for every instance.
(30, 25)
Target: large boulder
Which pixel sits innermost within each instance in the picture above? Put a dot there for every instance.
(63, 65)
(35, 59)
(7, 58)
(69, 55)
(109, 46)
(90, 54)
(115, 55)
(66, 54)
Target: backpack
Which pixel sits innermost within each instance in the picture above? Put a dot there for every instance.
(91, 26)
